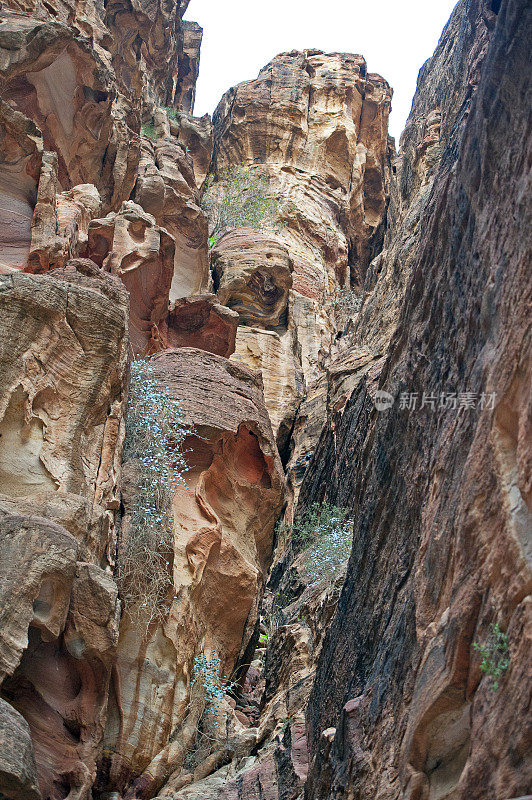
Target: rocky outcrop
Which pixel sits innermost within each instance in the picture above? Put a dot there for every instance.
(223, 521)
(187, 625)
(132, 246)
(63, 394)
(197, 136)
(17, 763)
(312, 128)
(76, 82)
(272, 354)
(319, 124)
(253, 274)
(440, 494)
(166, 188)
(202, 322)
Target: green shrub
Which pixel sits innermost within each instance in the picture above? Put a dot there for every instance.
(148, 129)
(170, 112)
(154, 433)
(240, 198)
(345, 304)
(206, 674)
(324, 533)
(495, 655)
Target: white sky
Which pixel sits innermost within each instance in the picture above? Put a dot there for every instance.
(241, 36)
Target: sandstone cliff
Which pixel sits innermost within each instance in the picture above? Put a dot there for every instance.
(265, 417)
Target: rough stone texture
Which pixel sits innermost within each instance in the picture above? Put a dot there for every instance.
(441, 499)
(44, 69)
(202, 322)
(435, 243)
(63, 365)
(318, 123)
(88, 522)
(188, 64)
(253, 276)
(130, 245)
(197, 135)
(223, 527)
(18, 779)
(59, 229)
(271, 761)
(315, 125)
(167, 189)
(150, 54)
(272, 354)
(76, 81)
(62, 384)
(61, 685)
(37, 569)
(20, 164)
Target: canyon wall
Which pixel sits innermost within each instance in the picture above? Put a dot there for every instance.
(439, 492)
(306, 319)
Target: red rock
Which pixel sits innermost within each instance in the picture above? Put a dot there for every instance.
(201, 321)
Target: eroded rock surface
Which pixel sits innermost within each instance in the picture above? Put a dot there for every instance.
(440, 496)
(202, 322)
(223, 538)
(318, 123)
(370, 272)
(63, 396)
(18, 776)
(166, 187)
(253, 273)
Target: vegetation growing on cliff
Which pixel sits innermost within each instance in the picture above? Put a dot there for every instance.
(148, 129)
(154, 432)
(495, 655)
(345, 305)
(240, 199)
(323, 533)
(206, 673)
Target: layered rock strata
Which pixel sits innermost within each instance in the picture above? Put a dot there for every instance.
(440, 493)
(63, 396)
(313, 128)
(223, 520)
(321, 347)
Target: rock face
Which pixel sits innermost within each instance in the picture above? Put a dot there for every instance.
(167, 189)
(313, 127)
(303, 350)
(440, 496)
(223, 534)
(253, 273)
(201, 321)
(62, 392)
(17, 764)
(319, 124)
(63, 396)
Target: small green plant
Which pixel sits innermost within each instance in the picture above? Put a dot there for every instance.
(240, 198)
(287, 721)
(170, 112)
(154, 432)
(495, 655)
(206, 673)
(345, 304)
(324, 533)
(148, 129)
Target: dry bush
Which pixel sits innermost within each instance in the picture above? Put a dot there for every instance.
(240, 198)
(154, 432)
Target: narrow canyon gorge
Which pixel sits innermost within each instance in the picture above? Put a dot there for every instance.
(265, 416)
